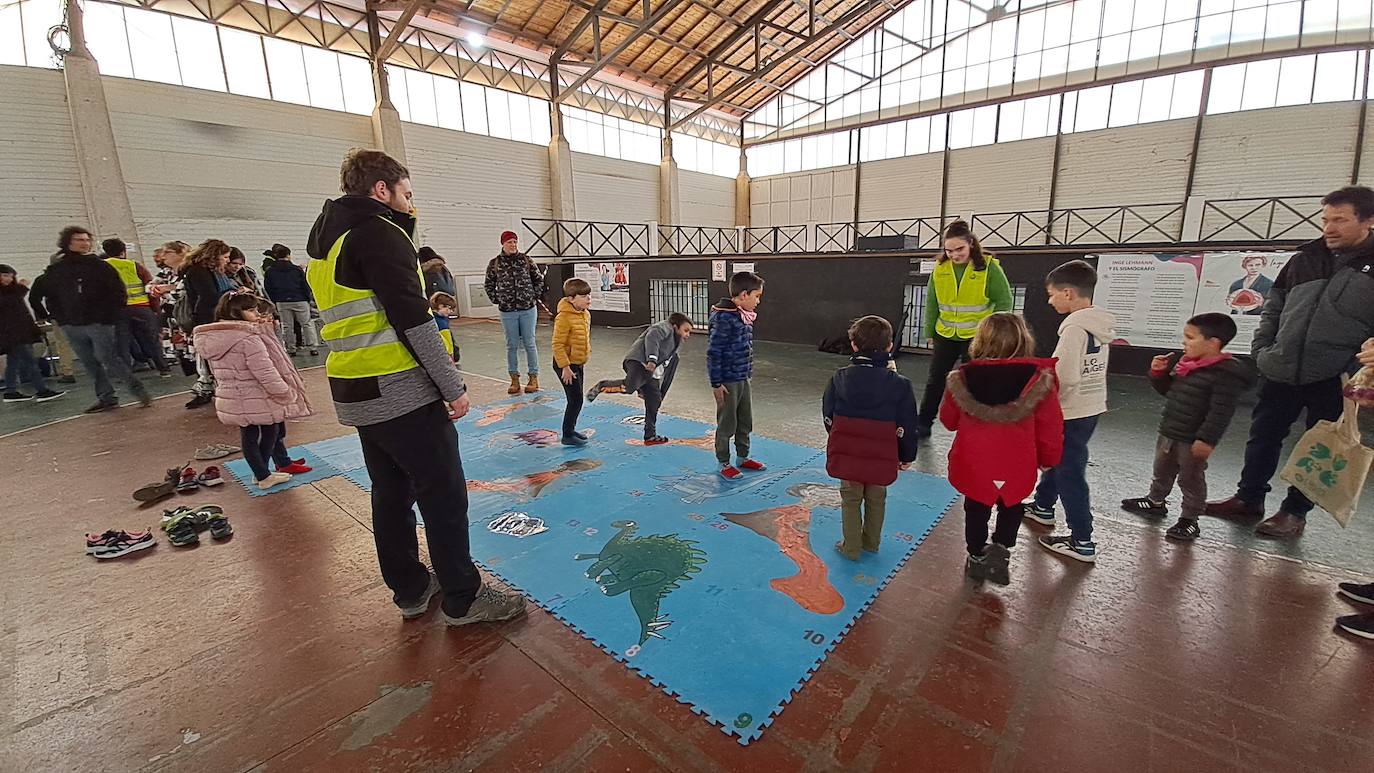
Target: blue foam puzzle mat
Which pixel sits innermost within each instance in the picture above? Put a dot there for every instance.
(727, 595)
(320, 470)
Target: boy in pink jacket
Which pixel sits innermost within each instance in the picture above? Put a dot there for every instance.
(257, 388)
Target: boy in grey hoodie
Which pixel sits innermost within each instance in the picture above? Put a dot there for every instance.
(649, 368)
(1085, 337)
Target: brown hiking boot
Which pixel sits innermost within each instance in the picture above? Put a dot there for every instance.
(1282, 525)
(514, 384)
(533, 385)
(1234, 508)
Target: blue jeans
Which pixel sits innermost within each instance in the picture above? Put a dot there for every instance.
(22, 366)
(1069, 480)
(519, 326)
(261, 442)
(95, 347)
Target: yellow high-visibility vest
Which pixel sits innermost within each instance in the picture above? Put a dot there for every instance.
(963, 304)
(134, 288)
(362, 343)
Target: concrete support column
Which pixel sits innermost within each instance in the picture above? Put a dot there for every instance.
(97, 158)
(669, 193)
(562, 198)
(387, 134)
(742, 192)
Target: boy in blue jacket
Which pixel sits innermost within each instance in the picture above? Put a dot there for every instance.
(870, 415)
(730, 364)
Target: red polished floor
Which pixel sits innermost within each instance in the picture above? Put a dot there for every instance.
(280, 650)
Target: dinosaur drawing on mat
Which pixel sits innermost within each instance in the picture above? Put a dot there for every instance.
(649, 568)
(790, 527)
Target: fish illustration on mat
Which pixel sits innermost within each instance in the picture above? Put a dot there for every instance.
(530, 486)
(706, 442)
(499, 412)
(648, 568)
(544, 438)
(789, 527)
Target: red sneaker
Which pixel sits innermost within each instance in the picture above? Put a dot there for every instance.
(656, 440)
(730, 472)
(752, 466)
(296, 467)
(211, 477)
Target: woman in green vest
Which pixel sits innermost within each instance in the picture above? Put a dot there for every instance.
(967, 286)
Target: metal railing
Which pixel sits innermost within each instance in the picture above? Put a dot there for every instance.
(1282, 217)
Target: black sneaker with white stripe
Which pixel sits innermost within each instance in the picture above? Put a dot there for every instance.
(1356, 592)
(1357, 625)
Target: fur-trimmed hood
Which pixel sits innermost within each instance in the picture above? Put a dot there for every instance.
(1001, 391)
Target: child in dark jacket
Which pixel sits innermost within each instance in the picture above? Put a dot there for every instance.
(870, 415)
(730, 364)
(649, 367)
(1003, 406)
(1201, 391)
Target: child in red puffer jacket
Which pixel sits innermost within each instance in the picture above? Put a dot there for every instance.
(1003, 407)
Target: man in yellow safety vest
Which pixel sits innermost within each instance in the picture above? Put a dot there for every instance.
(139, 332)
(392, 378)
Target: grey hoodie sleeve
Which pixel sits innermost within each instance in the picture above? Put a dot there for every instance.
(429, 350)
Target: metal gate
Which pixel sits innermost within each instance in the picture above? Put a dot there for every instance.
(914, 307)
(689, 296)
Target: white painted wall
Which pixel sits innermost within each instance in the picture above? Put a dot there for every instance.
(469, 188)
(906, 187)
(825, 196)
(707, 199)
(42, 190)
(1012, 177)
(614, 191)
(1282, 151)
(1144, 164)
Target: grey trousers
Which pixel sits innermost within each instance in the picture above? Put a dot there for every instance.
(734, 419)
(1174, 460)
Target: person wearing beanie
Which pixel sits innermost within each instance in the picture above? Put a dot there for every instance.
(18, 334)
(515, 284)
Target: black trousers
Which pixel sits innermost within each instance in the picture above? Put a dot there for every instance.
(653, 390)
(575, 397)
(414, 458)
(1277, 409)
(946, 354)
(976, 524)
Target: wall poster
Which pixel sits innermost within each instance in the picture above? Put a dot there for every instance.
(610, 284)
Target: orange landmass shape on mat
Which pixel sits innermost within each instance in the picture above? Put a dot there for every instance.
(790, 527)
(706, 442)
(533, 484)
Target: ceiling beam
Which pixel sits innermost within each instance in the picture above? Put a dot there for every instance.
(398, 28)
(715, 53)
(587, 18)
(645, 24)
(762, 70)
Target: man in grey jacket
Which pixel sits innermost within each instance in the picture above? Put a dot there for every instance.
(1319, 312)
(649, 368)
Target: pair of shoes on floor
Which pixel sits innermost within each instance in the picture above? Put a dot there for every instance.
(993, 566)
(296, 467)
(184, 524)
(42, 396)
(1361, 625)
(576, 439)
(732, 472)
(215, 451)
(155, 491)
(117, 542)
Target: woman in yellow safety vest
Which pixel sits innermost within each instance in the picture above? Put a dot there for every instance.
(966, 287)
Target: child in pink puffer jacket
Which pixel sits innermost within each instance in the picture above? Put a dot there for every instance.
(256, 387)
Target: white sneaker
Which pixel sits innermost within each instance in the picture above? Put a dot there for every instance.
(275, 479)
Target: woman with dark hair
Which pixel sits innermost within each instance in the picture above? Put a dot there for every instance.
(438, 279)
(967, 286)
(204, 280)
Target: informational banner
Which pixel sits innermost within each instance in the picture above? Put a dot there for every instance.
(1153, 295)
(610, 284)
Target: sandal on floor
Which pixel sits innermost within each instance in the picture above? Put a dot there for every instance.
(155, 491)
(1144, 505)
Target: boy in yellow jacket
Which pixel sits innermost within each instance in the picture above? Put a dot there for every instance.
(572, 345)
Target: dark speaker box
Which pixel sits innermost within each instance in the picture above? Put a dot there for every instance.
(887, 243)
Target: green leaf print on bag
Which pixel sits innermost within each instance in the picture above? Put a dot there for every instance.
(1315, 464)
(1320, 451)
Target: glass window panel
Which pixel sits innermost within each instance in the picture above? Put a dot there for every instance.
(1261, 84)
(810, 153)
(12, 36)
(1070, 108)
(1010, 121)
(1295, 80)
(1027, 68)
(1087, 21)
(1058, 25)
(520, 128)
(420, 97)
(1115, 49)
(1146, 43)
(475, 108)
(1091, 111)
(1031, 36)
(1354, 15)
(1227, 84)
(1117, 19)
(322, 75)
(105, 37)
(1040, 116)
(541, 131)
(498, 113)
(1082, 56)
(1125, 107)
(1283, 20)
(610, 137)
(247, 74)
(39, 17)
(1336, 77)
(355, 74)
(791, 156)
(1148, 13)
(198, 54)
(1247, 25)
(1156, 99)
(1180, 10)
(1187, 94)
(918, 136)
(286, 70)
(961, 129)
(151, 47)
(1213, 31)
(896, 142)
(448, 103)
(985, 125)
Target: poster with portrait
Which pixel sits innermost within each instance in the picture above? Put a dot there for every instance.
(610, 284)
(1151, 294)
(1238, 284)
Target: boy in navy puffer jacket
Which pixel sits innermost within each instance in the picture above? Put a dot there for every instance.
(730, 364)
(870, 414)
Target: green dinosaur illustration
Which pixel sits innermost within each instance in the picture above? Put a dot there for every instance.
(649, 568)
(1314, 464)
